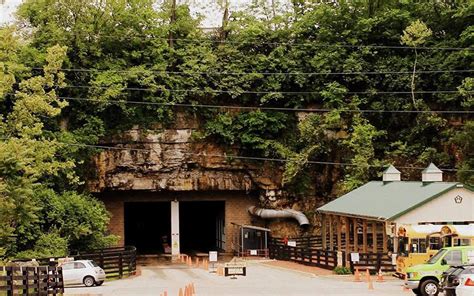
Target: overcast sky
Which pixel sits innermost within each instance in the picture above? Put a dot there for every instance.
(208, 8)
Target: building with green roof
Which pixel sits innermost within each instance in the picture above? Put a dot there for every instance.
(369, 216)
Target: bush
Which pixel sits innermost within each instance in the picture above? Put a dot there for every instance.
(48, 245)
(341, 270)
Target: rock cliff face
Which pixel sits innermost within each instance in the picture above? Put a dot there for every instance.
(171, 159)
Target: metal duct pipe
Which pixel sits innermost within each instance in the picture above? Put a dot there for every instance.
(285, 213)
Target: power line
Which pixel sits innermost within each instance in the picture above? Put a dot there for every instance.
(259, 42)
(315, 110)
(263, 73)
(229, 156)
(226, 91)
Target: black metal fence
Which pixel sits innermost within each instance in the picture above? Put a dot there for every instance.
(40, 280)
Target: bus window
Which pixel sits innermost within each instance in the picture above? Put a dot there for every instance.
(418, 245)
(403, 246)
(434, 243)
(461, 242)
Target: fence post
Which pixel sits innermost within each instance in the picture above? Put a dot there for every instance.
(25, 282)
(379, 262)
(326, 257)
(10, 282)
(121, 265)
(351, 264)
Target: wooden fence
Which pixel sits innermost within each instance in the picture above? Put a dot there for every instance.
(116, 262)
(41, 280)
(374, 262)
(307, 251)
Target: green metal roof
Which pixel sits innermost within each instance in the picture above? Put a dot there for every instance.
(387, 200)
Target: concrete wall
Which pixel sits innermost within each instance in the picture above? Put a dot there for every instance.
(236, 205)
(443, 209)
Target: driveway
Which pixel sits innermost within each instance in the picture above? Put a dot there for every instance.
(261, 279)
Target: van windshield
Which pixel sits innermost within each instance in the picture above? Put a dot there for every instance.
(436, 257)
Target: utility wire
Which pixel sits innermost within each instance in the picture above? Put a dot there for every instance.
(315, 110)
(258, 42)
(263, 73)
(229, 156)
(260, 92)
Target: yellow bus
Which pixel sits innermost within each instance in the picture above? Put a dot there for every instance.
(417, 243)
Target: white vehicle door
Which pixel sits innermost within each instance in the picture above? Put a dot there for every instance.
(80, 271)
(68, 273)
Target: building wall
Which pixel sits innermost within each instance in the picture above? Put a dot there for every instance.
(443, 209)
(236, 205)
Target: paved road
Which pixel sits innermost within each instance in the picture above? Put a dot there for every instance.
(260, 280)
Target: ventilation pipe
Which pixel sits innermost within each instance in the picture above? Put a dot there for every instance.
(274, 214)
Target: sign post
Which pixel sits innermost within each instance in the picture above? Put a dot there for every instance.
(212, 261)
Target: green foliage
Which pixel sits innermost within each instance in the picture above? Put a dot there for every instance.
(342, 270)
(124, 45)
(48, 245)
(416, 34)
(464, 139)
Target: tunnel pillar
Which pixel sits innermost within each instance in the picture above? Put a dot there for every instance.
(175, 244)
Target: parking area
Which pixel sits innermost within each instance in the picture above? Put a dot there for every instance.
(261, 279)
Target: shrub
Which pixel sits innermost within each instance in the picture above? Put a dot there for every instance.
(341, 270)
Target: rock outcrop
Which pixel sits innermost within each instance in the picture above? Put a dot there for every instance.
(172, 159)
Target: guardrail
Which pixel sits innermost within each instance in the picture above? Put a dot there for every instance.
(39, 280)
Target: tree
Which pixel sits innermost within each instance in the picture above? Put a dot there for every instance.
(415, 35)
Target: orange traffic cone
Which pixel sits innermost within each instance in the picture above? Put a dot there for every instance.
(380, 276)
(165, 293)
(357, 275)
(371, 285)
(197, 262)
(193, 291)
(180, 292)
(367, 275)
(186, 291)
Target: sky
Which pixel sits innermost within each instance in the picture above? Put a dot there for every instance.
(208, 8)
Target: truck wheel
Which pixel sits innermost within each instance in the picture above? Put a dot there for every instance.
(429, 288)
(416, 291)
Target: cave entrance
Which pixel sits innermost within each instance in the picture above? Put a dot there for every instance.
(202, 226)
(147, 226)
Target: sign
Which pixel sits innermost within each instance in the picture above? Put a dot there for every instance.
(470, 257)
(394, 259)
(213, 256)
(253, 253)
(355, 257)
(291, 243)
(235, 268)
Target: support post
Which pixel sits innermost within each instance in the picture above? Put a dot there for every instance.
(374, 236)
(323, 231)
(364, 236)
(356, 236)
(339, 232)
(175, 247)
(347, 234)
(331, 233)
(384, 234)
